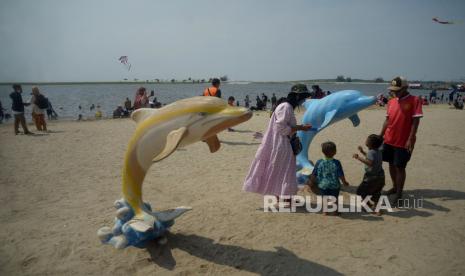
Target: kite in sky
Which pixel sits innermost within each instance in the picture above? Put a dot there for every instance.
(124, 61)
(435, 19)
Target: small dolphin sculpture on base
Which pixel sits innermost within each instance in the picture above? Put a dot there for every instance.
(125, 232)
(158, 134)
(321, 113)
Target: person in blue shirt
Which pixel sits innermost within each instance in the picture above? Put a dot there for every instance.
(328, 174)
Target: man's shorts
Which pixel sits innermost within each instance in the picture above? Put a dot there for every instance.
(396, 156)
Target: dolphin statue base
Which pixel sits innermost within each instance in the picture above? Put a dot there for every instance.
(127, 231)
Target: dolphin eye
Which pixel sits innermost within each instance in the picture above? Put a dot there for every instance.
(202, 114)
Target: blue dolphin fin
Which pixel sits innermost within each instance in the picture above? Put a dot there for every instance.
(355, 119)
(328, 117)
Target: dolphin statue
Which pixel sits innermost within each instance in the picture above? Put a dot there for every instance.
(159, 132)
(321, 113)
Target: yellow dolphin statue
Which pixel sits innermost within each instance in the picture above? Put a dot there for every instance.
(158, 134)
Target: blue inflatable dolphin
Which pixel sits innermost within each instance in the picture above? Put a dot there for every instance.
(321, 113)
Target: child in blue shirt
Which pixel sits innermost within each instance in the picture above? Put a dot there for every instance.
(327, 172)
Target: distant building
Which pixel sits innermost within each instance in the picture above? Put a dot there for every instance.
(415, 86)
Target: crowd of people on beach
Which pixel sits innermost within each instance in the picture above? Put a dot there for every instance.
(263, 102)
(144, 100)
(41, 105)
(141, 100)
(455, 98)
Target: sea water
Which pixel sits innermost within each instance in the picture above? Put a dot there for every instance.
(66, 99)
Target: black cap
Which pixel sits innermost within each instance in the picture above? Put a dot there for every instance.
(216, 81)
(398, 83)
(299, 92)
(300, 87)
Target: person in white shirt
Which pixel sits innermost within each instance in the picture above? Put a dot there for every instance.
(39, 105)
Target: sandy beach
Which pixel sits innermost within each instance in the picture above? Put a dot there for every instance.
(58, 189)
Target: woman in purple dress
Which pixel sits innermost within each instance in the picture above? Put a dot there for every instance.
(273, 170)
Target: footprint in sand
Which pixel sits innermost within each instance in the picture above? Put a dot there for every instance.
(29, 260)
(447, 147)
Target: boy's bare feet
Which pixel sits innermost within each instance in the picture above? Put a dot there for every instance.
(372, 205)
(314, 189)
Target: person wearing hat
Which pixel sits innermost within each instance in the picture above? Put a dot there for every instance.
(298, 94)
(399, 132)
(214, 90)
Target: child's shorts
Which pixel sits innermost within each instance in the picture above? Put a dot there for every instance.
(330, 192)
(371, 185)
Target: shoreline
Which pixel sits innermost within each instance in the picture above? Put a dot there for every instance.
(92, 119)
(190, 82)
(322, 81)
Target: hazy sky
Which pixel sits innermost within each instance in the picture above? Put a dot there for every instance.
(65, 40)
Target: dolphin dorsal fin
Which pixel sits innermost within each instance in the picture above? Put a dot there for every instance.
(172, 142)
(141, 114)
